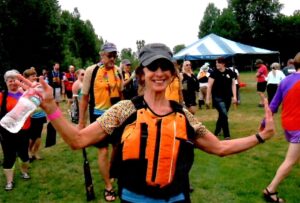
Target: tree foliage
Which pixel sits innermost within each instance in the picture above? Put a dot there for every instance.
(81, 44)
(178, 48)
(255, 22)
(37, 33)
(211, 15)
(127, 53)
(140, 44)
(30, 33)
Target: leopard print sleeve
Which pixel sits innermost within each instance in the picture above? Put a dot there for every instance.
(200, 129)
(116, 115)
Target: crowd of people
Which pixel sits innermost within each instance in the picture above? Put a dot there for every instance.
(148, 116)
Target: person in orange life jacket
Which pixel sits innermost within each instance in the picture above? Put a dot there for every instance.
(174, 89)
(203, 82)
(13, 144)
(155, 72)
(101, 88)
(68, 79)
(128, 89)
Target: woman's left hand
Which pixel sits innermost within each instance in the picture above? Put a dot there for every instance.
(47, 102)
(269, 130)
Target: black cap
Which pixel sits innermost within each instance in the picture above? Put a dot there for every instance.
(152, 52)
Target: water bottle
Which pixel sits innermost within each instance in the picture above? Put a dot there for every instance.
(14, 120)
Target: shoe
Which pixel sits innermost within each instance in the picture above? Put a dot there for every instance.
(32, 159)
(25, 176)
(9, 186)
(268, 196)
(110, 195)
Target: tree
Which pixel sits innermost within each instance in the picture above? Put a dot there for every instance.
(81, 44)
(287, 34)
(211, 15)
(256, 19)
(226, 25)
(140, 44)
(29, 33)
(127, 53)
(178, 48)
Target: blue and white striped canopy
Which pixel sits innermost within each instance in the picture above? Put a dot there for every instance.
(213, 46)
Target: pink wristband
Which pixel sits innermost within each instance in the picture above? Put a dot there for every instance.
(56, 114)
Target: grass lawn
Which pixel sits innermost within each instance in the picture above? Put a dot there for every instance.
(237, 178)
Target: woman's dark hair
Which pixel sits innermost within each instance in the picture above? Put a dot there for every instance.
(221, 60)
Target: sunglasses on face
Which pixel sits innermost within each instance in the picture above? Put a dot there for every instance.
(163, 65)
(112, 55)
(187, 64)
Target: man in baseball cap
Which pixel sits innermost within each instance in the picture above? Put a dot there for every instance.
(101, 88)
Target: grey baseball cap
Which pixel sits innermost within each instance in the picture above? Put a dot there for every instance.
(108, 47)
(258, 61)
(154, 51)
(126, 62)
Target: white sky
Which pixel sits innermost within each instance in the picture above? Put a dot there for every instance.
(171, 22)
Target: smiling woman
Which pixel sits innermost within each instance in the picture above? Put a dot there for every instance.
(154, 138)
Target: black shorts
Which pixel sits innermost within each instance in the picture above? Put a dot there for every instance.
(69, 94)
(261, 86)
(103, 143)
(36, 127)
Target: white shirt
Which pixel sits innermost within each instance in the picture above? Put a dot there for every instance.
(275, 78)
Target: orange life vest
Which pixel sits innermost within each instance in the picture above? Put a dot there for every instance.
(154, 151)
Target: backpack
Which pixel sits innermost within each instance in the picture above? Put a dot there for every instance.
(144, 161)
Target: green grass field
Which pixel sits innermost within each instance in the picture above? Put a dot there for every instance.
(237, 178)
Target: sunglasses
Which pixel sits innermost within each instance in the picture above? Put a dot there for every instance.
(82, 74)
(187, 64)
(162, 64)
(112, 55)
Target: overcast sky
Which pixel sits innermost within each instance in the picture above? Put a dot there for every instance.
(171, 22)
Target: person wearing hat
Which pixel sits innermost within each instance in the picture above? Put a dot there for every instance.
(202, 77)
(151, 131)
(128, 87)
(261, 85)
(101, 89)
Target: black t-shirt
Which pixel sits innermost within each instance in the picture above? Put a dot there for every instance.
(222, 86)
